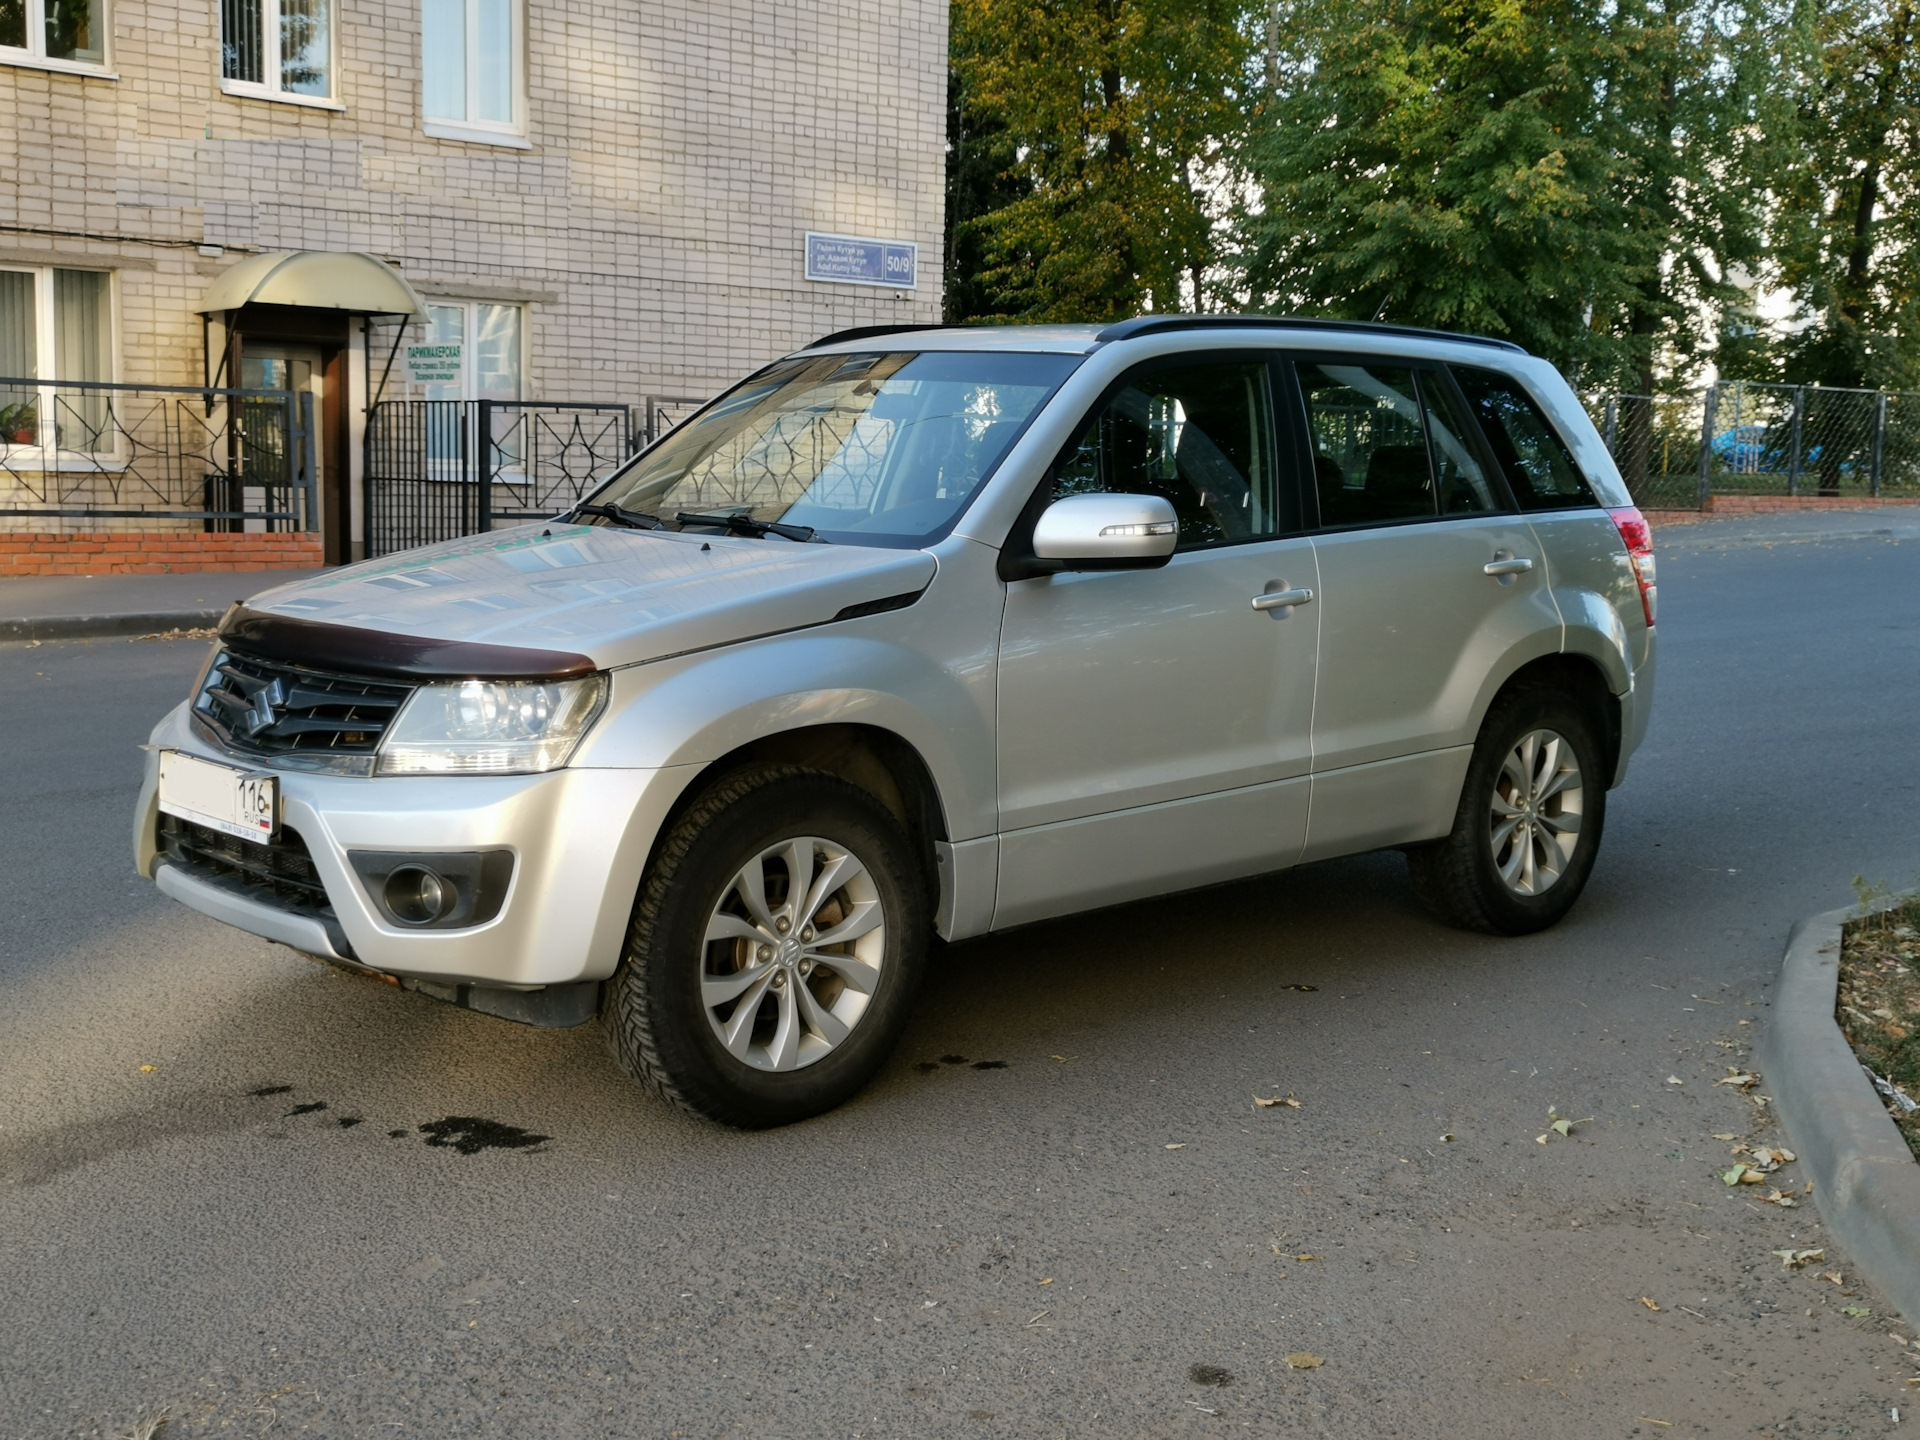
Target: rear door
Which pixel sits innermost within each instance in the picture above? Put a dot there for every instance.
(1154, 727)
(1428, 577)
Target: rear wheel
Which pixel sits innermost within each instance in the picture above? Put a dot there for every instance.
(1529, 822)
(775, 949)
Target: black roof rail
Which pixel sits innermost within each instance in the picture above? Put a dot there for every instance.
(867, 332)
(1159, 324)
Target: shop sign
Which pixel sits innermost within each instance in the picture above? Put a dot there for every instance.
(852, 260)
(434, 364)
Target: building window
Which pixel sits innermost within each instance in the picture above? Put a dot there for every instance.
(489, 337)
(68, 30)
(470, 64)
(56, 327)
(276, 49)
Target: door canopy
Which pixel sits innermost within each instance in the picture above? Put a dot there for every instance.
(316, 279)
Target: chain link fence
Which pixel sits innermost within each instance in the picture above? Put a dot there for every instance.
(1744, 438)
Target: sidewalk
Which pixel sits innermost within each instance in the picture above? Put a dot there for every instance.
(76, 607)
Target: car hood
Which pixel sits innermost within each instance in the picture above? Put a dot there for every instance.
(619, 597)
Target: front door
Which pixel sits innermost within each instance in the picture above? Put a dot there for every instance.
(1154, 726)
(304, 369)
(1413, 620)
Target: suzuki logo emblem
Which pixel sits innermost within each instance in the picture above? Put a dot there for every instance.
(268, 702)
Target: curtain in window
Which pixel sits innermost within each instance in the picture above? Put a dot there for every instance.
(82, 343)
(306, 47)
(73, 31)
(17, 357)
(240, 49)
(496, 352)
(443, 59)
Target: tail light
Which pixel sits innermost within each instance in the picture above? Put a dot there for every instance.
(1638, 536)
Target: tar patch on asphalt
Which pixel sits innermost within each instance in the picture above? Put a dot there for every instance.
(308, 1108)
(271, 1090)
(469, 1135)
(1209, 1375)
(927, 1067)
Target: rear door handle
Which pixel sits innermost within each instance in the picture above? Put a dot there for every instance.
(1284, 599)
(1517, 565)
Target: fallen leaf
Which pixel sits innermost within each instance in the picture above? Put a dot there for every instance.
(1539, 1139)
(1447, 1139)
(1178, 1145)
(1649, 1420)
(1794, 1259)
(1047, 1281)
(1776, 1197)
(1649, 1304)
(1740, 1078)
(1565, 1127)
(1728, 1136)
(1304, 1360)
(1835, 1276)
(1303, 1255)
(1262, 1103)
(1855, 1312)
(1061, 1058)
(1752, 1176)
(1675, 1080)
(148, 1069)
(1733, 1176)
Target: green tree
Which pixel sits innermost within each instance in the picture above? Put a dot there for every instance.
(1109, 122)
(1563, 173)
(1847, 234)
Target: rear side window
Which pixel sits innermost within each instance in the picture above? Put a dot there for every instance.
(1539, 466)
(1388, 446)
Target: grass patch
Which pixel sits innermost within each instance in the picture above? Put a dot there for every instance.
(1879, 1003)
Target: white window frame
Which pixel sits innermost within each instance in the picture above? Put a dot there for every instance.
(469, 373)
(34, 55)
(269, 89)
(511, 133)
(45, 344)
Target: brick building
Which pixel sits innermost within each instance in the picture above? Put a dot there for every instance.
(593, 202)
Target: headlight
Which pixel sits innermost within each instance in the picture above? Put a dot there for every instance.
(491, 727)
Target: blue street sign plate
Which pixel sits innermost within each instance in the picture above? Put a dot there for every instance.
(853, 260)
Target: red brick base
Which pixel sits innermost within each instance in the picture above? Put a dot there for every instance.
(1777, 504)
(156, 553)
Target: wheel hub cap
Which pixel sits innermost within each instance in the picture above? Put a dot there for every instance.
(793, 954)
(1534, 824)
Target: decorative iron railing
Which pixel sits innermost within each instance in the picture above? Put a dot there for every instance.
(86, 449)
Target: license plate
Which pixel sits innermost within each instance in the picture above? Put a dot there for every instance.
(235, 802)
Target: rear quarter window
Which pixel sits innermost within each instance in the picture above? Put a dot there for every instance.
(1538, 464)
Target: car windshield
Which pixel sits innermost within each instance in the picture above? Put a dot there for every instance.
(867, 449)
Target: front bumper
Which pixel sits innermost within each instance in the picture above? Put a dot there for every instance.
(580, 839)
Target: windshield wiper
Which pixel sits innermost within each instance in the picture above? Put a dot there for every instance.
(747, 525)
(633, 519)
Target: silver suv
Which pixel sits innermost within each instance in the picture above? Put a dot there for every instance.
(924, 633)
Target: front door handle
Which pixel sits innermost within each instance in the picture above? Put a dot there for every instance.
(1283, 599)
(1512, 565)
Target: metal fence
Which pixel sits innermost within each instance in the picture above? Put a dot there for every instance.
(86, 449)
(1743, 438)
(438, 469)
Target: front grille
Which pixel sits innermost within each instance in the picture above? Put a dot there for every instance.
(280, 872)
(270, 708)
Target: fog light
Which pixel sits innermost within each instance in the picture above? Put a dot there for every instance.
(417, 896)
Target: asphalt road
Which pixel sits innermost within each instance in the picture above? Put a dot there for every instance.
(1057, 1211)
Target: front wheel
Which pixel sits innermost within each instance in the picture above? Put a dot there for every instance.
(775, 949)
(1528, 826)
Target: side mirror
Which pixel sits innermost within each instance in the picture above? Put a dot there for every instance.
(1107, 532)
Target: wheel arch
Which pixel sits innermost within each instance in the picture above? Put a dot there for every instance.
(880, 761)
(1580, 677)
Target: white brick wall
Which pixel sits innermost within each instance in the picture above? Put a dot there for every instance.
(680, 150)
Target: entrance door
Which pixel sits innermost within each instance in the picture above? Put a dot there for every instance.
(1154, 726)
(314, 370)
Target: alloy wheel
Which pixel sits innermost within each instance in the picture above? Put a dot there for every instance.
(793, 954)
(1535, 819)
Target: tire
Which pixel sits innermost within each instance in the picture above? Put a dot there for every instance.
(1508, 866)
(770, 1021)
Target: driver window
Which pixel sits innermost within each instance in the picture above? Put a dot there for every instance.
(1198, 434)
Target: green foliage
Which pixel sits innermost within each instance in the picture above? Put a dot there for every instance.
(1847, 228)
(1110, 119)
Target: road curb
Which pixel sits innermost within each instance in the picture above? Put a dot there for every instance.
(1866, 1180)
(93, 627)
